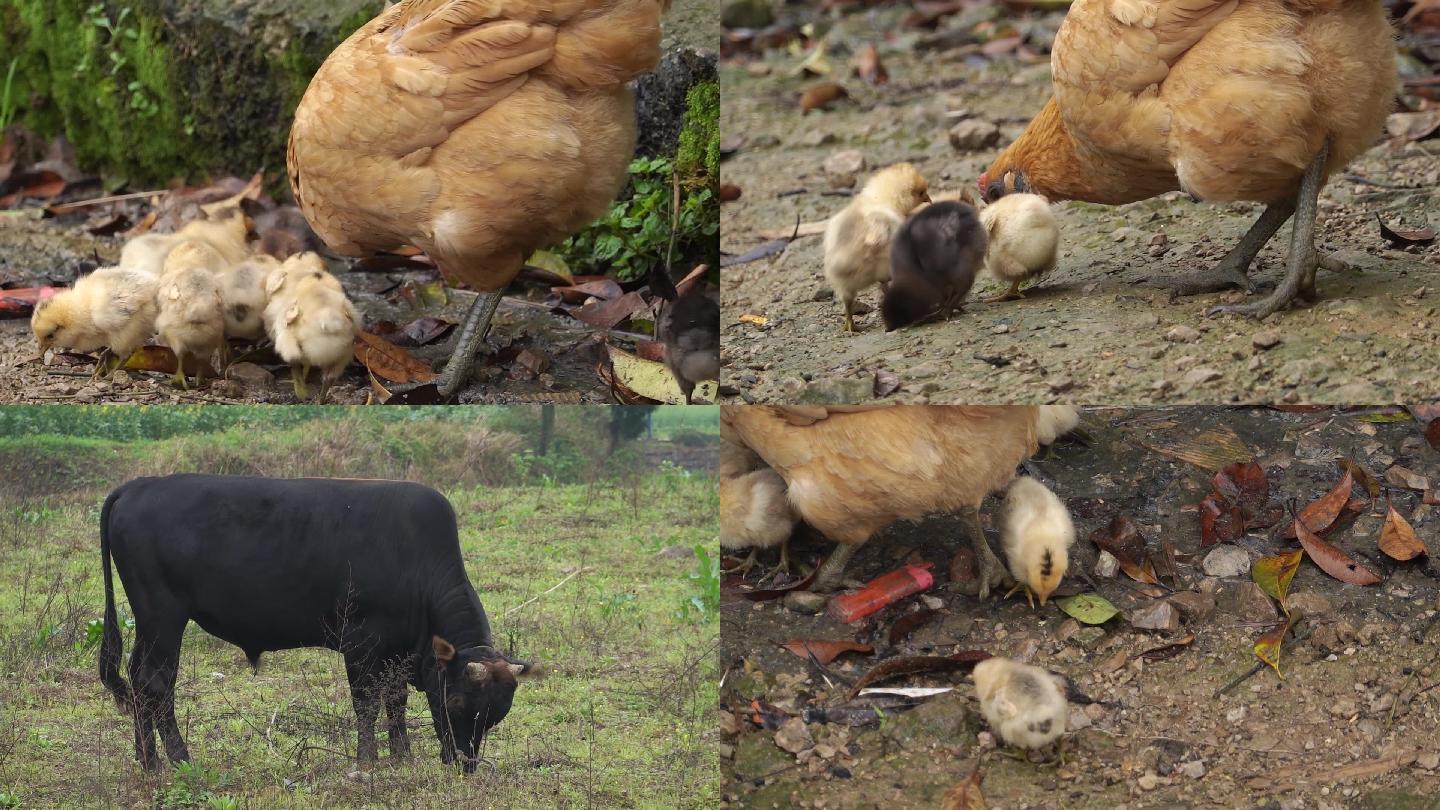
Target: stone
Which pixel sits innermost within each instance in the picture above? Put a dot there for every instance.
(972, 134)
(1200, 376)
(1182, 334)
(841, 391)
(1060, 384)
(844, 167)
(250, 377)
(1193, 769)
(1194, 606)
(794, 736)
(1106, 565)
(1251, 604)
(662, 95)
(1156, 616)
(806, 602)
(1148, 782)
(1227, 561)
(1308, 603)
(1266, 339)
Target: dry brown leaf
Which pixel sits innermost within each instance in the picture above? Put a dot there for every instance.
(824, 651)
(966, 795)
(729, 192)
(1405, 238)
(1122, 538)
(909, 623)
(818, 96)
(1332, 560)
(1210, 450)
(1432, 433)
(1398, 539)
(1321, 513)
(390, 362)
(868, 66)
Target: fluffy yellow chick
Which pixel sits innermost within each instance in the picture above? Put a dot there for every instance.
(191, 318)
(1023, 241)
(315, 327)
(147, 253)
(857, 240)
(1036, 532)
(242, 289)
(111, 308)
(756, 514)
(1024, 705)
(226, 232)
(286, 277)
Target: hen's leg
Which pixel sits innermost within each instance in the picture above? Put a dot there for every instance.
(990, 573)
(1300, 264)
(467, 345)
(1230, 272)
(828, 577)
(744, 568)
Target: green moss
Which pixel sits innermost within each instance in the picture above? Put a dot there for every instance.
(154, 89)
(699, 151)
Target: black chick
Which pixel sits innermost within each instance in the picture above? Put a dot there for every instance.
(690, 329)
(933, 261)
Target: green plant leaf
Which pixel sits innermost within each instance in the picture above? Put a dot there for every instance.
(1090, 608)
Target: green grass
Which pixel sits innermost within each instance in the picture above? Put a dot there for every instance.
(624, 719)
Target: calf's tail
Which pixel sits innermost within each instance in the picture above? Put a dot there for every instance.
(112, 648)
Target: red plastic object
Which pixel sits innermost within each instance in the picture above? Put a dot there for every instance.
(884, 590)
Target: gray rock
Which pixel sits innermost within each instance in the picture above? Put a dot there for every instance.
(1182, 334)
(1156, 616)
(1308, 603)
(846, 391)
(250, 377)
(1266, 339)
(1227, 561)
(843, 168)
(1251, 604)
(1106, 565)
(660, 98)
(972, 134)
(806, 602)
(1194, 606)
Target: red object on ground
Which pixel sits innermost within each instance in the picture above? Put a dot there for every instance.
(20, 303)
(884, 590)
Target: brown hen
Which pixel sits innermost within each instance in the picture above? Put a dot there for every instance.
(1227, 100)
(476, 130)
(850, 471)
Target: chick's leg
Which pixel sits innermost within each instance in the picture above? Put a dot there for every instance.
(1301, 263)
(1230, 272)
(467, 344)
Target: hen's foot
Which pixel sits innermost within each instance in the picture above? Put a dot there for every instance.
(1231, 271)
(745, 567)
(467, 345)
(989, 572)
(828, 578)
(1301, 263)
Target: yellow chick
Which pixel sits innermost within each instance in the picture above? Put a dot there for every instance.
(1024, 238)
(285, 277)
(756, 514)
(315, 327)
(242, 289)
(857, 240)
(227, 232)
(111, 308)
(147, 253)
(1054, 421)
(1036, 532)
(191, 318)
(1024, 705)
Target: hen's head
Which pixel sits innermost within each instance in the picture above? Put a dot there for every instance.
(900, 187)
(999, 181)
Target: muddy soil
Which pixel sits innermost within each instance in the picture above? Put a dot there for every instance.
(1096, 328)
(1351, 724)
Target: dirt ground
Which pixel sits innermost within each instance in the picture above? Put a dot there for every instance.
(1096, 329)
(1351, 724)
(37, 253)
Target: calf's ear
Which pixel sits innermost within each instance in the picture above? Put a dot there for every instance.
(444, 650)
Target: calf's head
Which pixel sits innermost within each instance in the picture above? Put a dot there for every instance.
(470, 690)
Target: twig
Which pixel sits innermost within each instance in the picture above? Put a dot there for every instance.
(66, 208)
(577, 572)
(1259, 665)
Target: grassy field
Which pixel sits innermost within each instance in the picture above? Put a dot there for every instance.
(586, 566)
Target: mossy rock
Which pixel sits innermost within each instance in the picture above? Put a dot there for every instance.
(155, 89)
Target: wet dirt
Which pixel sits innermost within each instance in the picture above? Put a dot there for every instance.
(45, 252)
(1095, 329)
(1351, 724)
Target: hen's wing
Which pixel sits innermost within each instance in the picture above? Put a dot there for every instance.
(1109, 60)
